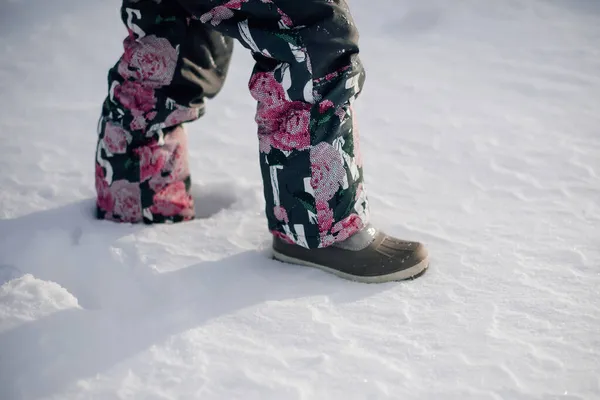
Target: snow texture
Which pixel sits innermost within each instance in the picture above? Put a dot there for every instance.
(480, 125)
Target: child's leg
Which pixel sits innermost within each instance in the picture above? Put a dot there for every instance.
(306, 77)
(170, 64)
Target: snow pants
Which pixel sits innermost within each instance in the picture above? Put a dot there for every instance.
(306, 76)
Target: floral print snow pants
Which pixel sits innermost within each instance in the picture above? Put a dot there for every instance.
(306, 76)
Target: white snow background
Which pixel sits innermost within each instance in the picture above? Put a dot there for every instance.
(480, 124)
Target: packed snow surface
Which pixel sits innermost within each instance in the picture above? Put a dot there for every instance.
(480, 124)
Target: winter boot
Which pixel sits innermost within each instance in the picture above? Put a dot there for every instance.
(369, 256)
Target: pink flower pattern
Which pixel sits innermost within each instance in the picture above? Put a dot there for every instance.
(150, 59)
(285, 125)
(116, 138)
(327, 240)
(181, 115)
(138, 110)
(266, 90)
(175, 168)
(225, 11)
(293, 132)
(104, 198)
(283, 237)
(221, 13)
(347, 227)
(152, 160)
(325, 105)
(282, 124)
(324, 217)
(173, 200)
(327, 171)
(281, 214)
(127, 196)
(135, 97)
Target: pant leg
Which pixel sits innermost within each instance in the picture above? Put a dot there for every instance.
(306, 77)
(170, 64)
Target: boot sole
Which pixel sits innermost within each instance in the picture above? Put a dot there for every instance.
(408, 273)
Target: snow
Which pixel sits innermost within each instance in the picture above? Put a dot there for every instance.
(480, 130)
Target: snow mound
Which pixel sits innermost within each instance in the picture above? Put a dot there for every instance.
(26, 299)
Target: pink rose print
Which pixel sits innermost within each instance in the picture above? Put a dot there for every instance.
(127, 197)
(347, 227)
(332, 75)
(285, 19)
(150, 59)
(266, 90)
(175, 167)
(152, 160)
(341, 114)
(324, 217)
(325, 105)
(135, 97)
(293, 133)
(327, 241)
(140, 121)
(283, 237)
(105, 199)
(181, 115)
(327, 171)
(173, 200)
(284, 127)
(265, 142)
(221, 13)
(281, 214)
(282, 124)
(116, 138)
(267, 120)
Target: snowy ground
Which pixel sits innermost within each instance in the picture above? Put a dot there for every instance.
(481, 134)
